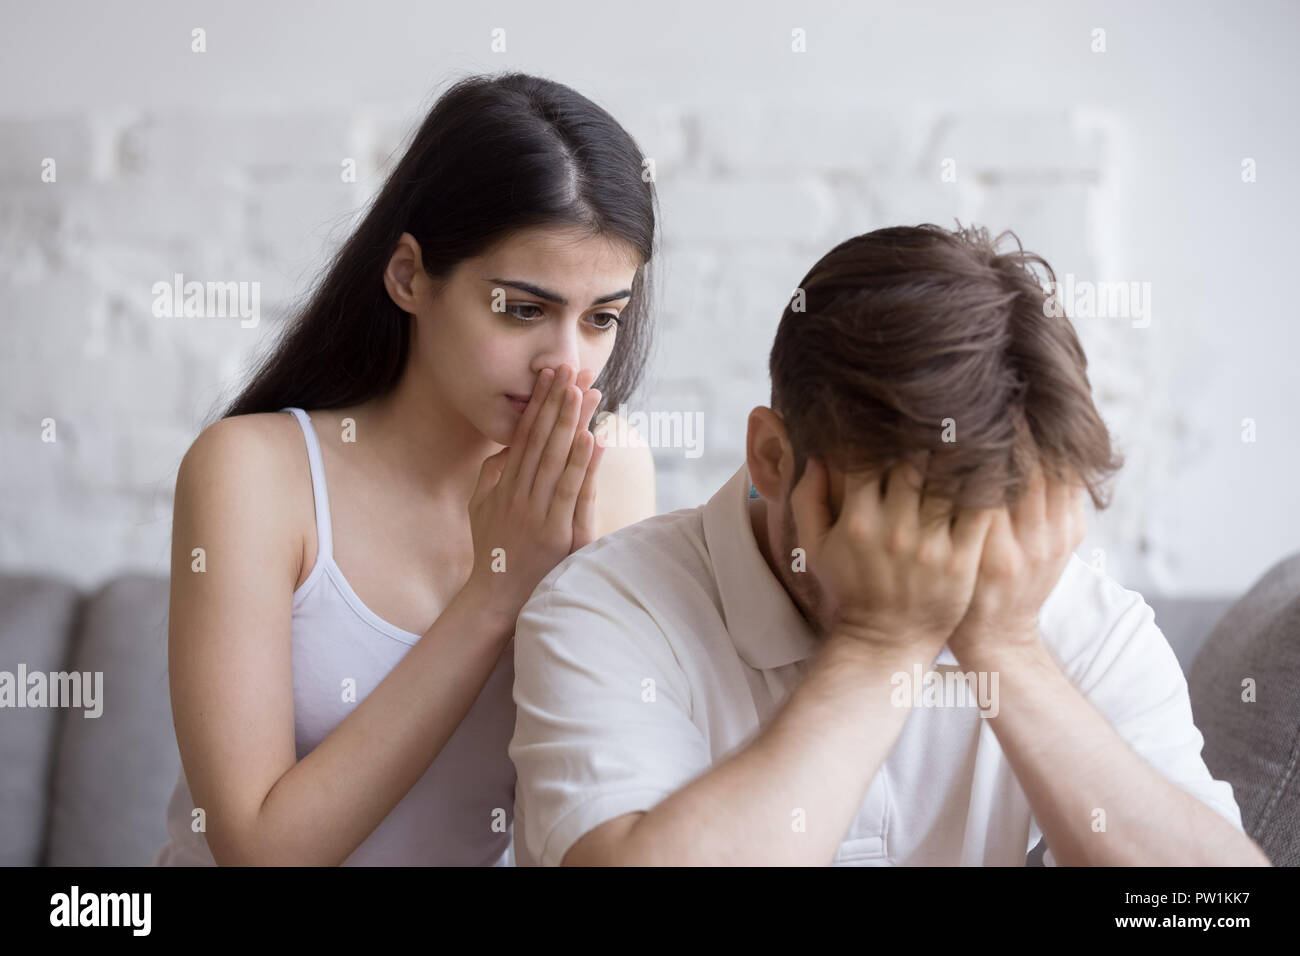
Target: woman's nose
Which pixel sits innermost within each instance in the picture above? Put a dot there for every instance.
(561, 350)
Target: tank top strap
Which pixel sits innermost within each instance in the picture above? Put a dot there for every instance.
(324, 533)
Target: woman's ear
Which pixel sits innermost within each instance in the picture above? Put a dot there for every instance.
(403, 273)
(407, 281)
(768, 452)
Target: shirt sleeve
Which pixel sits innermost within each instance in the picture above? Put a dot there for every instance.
(1135, 681)
(603, 721)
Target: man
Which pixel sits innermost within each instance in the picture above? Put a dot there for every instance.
(777, 677)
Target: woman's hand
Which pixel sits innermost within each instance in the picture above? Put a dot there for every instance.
(535, 500)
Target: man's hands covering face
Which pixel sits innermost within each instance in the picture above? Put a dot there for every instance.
(904, 570)
(1025, 553)
(897, 567)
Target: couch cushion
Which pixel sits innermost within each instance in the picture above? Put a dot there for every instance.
(1256, 745)
(37, 616)
(114, 773)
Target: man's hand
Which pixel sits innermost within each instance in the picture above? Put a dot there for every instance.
(1025, 553)
(898, 570)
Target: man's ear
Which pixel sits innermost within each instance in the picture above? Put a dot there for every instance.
(768, 452)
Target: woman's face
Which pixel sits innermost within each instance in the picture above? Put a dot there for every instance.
(542, 298)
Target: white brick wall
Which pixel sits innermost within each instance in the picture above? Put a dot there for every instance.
(226, 168)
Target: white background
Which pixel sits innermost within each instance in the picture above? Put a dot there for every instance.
(1122, 165)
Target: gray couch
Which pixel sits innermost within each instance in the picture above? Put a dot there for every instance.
(79, 791)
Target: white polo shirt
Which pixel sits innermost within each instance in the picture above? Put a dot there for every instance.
(656, 652)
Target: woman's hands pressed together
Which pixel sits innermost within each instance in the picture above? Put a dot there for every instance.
(535, 501)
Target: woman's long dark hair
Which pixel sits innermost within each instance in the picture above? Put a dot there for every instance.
(495, 154)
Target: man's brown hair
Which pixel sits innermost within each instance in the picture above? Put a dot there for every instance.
(902, 329)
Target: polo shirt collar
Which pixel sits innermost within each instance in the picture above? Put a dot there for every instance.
(763, 622)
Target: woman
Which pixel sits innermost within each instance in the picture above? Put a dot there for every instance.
(341, 650)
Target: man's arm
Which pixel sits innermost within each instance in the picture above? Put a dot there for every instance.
(818, 754)
(1071, 763)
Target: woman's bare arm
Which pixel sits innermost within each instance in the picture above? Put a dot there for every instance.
(230, 661)
(232, 682)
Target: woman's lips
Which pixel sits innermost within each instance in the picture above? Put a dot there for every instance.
(520, 402)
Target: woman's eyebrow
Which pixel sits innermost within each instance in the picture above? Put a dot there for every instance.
(556, 297)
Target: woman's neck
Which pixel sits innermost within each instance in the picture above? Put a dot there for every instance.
(417, 439)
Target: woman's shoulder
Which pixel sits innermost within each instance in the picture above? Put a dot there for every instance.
(625, 483)
(244, 442)
(247, 464)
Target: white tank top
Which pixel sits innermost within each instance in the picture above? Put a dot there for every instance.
(461, 811)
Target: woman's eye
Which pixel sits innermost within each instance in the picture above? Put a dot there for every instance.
(510, 310)
(603, 321)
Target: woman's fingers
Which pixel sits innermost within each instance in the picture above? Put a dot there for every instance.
(584, 509)
(489, 475)
(553, 460)
(541, 389)
(574, 413)
(540, 434)
(573, 507)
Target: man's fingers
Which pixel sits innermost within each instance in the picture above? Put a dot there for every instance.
(936, 514)
(1065, 511)
(974, 526)
(1031, 510)
(863, 509)
(808, 502)
(1076, 515)
(903, 497)
(1057, 499)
